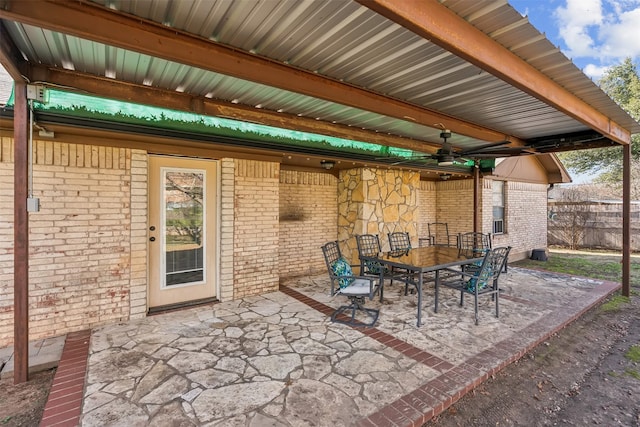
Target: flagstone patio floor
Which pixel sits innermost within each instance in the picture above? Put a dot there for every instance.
(277, 360)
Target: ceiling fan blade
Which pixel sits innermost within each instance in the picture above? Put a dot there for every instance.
(483, 148)
(502, 153)
(403, 160)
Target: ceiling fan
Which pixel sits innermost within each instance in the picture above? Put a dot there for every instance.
(448, 155)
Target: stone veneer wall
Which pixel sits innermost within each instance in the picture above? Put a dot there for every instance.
(525, 217)
(427, 212)
(87, 263)
(376, 201)
(308, 219)
(256, 228)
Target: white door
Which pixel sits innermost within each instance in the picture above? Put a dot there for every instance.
(182, 231)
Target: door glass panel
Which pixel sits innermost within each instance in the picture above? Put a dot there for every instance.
(183, 226)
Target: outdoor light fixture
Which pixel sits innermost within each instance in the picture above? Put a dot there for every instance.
(327, 164)
(445, 176)
(445, 160)
(445, 134)
(445, 155)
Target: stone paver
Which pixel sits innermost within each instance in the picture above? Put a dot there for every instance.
(276, 359)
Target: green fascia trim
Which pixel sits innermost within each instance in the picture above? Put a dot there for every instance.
(86, 106)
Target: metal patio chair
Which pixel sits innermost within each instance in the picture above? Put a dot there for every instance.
(399, 241)
(439, 234)
(481, 281)
(356, 288)
(368, 245)
(474, 241)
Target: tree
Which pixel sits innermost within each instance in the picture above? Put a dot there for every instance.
(622, 84)
(569, 216)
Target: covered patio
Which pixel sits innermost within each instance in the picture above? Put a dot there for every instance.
(396, 75)
(276, 359)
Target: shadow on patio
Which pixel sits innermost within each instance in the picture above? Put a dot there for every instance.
(276, 359)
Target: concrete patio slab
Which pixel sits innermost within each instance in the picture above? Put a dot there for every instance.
(277, 360)
(43, 354)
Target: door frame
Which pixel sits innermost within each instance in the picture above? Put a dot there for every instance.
(215, 228)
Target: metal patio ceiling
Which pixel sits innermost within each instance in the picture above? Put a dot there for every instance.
(346, 47)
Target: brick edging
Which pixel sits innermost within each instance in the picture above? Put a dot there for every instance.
(425, 403)
(64, 404)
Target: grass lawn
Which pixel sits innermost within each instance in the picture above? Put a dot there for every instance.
(593, 264)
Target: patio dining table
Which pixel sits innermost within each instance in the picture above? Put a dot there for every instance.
(417, 261)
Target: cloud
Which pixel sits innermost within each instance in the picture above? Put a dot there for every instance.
(595, 72)
(607, 30)
(621, 37)
(577, 23)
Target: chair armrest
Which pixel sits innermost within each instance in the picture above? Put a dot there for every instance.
(460, 272)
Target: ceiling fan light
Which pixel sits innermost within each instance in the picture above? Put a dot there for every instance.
(445, 160)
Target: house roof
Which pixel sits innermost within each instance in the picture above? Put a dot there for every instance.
(389, 73)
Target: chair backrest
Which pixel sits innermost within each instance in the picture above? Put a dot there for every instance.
(332, 254)
(368, 244)
(474, 241)
(439, 234)
(490, 269)
(399, 241)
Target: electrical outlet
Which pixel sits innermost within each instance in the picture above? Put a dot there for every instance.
(36, 93)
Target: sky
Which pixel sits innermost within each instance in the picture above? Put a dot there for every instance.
(594, 34)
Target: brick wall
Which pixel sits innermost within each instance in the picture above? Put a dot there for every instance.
(526, 217)
(427, 206)
(87, 250)
(227, 202)
(256, 203)
(454, 205)
(308, 219)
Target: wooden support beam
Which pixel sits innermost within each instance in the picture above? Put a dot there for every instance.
(10, 56)
(129, 92)
(20, 236)
(89, 21)
(626, 220)
(435, 22)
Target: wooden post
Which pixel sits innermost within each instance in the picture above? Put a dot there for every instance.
(20, 236)
(626, 220)
(476, 198)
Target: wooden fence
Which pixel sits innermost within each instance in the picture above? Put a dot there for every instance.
(596, 225)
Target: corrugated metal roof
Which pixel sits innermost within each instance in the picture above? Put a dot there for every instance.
(348, 42)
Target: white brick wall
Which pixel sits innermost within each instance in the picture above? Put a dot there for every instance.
(526, 217)
(256, 232)
(427, 212)
(87, 262)
(227, 235)
(308, 219)
(454, 205)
